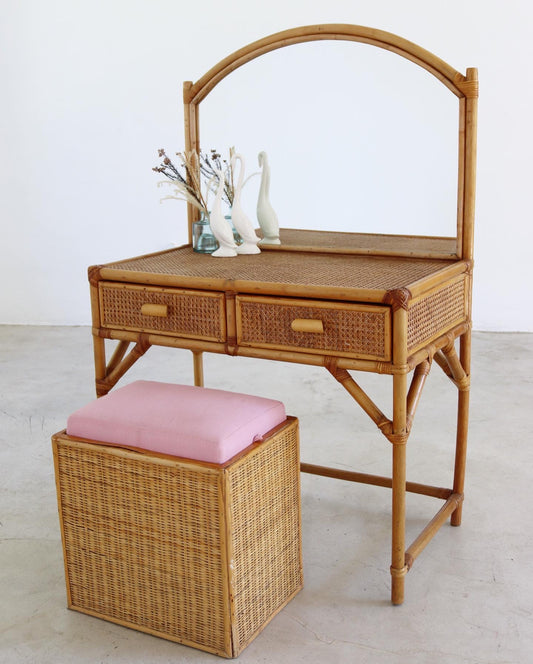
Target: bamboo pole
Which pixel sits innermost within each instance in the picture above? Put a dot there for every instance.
(117, 356)
(231, 323)
(140, 348)
(99, 362)
(460, 452)
(185, 343)
(313, 359)
(190, 114)
(461, 367)
(415, 390)
(462, 428)
(98, 341)
(432, 528)
(470, 163)
(398, 568)
(198, 367)
(361, 397)
(461, 177)
(374, 480)
(441, 360)
(459, 375)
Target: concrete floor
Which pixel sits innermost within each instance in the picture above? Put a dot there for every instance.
(468, 596)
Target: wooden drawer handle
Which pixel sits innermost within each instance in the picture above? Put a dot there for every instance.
(307, 325)
(160, 310)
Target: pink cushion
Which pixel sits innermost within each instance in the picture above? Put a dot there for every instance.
(191, 422)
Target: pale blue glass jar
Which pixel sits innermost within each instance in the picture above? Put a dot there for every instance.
(203, 240)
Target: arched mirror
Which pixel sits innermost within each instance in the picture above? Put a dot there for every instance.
(359, 140)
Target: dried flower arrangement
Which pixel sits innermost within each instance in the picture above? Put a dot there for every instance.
(211, 165)
(188, 180)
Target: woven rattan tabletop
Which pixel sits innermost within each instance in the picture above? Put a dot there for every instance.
(303, 274)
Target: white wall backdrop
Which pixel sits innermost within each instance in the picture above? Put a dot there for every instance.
(91, 90)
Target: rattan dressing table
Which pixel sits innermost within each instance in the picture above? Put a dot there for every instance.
(387, 304)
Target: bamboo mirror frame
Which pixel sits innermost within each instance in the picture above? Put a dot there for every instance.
(464, 87)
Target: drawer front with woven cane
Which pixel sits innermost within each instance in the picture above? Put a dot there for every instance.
(350, 330)
(185, 313)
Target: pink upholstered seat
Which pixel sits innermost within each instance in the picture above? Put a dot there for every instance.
(186, 421)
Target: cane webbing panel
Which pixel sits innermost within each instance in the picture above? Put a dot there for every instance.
(143, 542)
(436, 313)
(190, 313)
(353, 330)
(265, 515)
(291, 268)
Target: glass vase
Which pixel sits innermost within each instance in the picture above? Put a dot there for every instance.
(203, 240)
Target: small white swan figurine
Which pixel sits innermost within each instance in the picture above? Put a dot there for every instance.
(241, 222)
(266, 215)
(220, 226)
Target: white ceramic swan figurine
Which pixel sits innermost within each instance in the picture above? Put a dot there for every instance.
(266, 215)
(241, 222)
(220, 226)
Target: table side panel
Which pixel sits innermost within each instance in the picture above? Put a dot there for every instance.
(436, 312)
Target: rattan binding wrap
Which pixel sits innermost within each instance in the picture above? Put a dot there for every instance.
(196, 553)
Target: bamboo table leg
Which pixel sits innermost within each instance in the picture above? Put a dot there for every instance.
(462, 427)
(399, 445)
(398, 438)
(198, 366)
(98, 341)
(99, 361)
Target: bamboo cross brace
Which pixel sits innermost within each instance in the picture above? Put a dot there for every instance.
(449, 362)
(441, 360)
(117, 356)
(415, 391)
(366, 403)
(381, 420)
(375, 480)
(121, 365)
(459, 375)
(427, 534)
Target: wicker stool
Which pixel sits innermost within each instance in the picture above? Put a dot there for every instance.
(202, 552)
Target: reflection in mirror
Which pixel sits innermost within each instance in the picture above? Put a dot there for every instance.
(359, 139)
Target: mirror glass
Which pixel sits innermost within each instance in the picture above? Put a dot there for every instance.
(359, 139)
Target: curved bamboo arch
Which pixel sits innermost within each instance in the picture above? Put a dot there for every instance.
(386, 40)
(464, 87)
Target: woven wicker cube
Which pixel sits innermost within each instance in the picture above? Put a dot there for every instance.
(195, 552)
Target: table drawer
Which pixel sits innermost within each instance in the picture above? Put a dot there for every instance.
(353, 330)
(183, 313)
